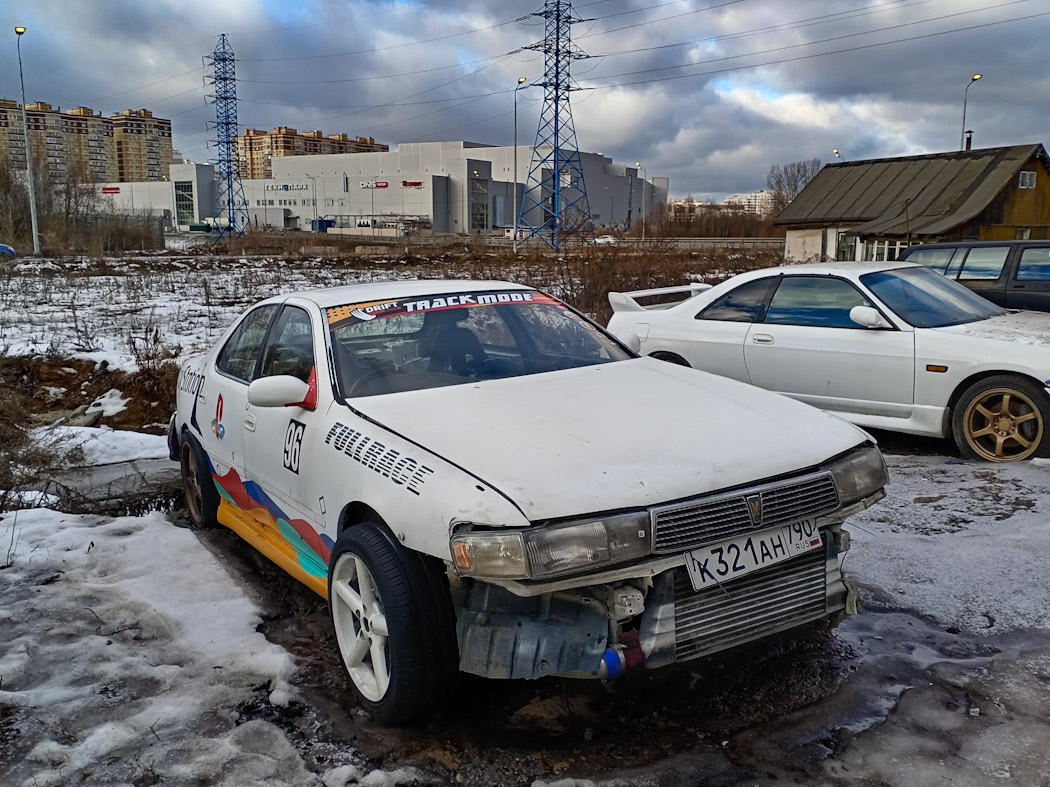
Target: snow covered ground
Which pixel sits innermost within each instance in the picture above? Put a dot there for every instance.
(118, 311)
(129, 652)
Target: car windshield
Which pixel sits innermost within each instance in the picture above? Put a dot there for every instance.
(926, 299)
(453, 338)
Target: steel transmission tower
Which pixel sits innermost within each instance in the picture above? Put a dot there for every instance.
(555, 204)
(229, 196)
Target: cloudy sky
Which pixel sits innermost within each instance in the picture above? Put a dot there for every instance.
(709, 93)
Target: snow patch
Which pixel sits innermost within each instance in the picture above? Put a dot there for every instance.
(110, 403)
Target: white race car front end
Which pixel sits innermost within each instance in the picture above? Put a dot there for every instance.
(702, 537)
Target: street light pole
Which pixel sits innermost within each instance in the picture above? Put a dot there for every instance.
(313, 197)
(962, 135)
(521, 81)
(838, 155)
(19, 32)
(645, 174)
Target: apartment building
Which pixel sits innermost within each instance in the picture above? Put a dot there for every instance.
(143, 146)
(128, 146)
(78, 141)
(758, 202)
(256, 148)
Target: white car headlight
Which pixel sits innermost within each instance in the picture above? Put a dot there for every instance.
(860, 474)
(545, 552)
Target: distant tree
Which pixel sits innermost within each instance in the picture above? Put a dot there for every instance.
(787, 180)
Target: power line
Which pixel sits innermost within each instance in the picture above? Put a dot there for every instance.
(855, 48)
(386, 48)
(838, 16)
(825, 40)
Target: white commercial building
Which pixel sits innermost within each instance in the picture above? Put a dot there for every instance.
(430, 187)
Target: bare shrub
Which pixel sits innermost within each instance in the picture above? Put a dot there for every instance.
(25, 466)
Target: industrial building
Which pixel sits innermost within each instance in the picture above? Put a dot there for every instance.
(256, 149)
(128, 146)
(425, 187)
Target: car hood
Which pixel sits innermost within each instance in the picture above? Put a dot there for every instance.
(1016, 327)
(613, 436)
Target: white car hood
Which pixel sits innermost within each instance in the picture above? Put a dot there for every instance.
(1018, 328)
(614, 436)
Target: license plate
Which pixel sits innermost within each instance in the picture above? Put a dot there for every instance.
(727, 560)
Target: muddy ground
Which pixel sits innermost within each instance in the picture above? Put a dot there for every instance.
(886, 698)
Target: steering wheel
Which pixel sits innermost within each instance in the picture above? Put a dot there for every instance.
(366, 380)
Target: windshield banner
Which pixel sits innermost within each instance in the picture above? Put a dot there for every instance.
(378, 310)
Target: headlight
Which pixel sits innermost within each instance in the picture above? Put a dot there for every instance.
(545, 552)
(860, 474)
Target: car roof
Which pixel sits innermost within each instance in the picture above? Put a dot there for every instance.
(943, 244)
(839, 268)
(325, 297)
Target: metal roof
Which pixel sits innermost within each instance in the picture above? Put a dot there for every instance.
(920, 195)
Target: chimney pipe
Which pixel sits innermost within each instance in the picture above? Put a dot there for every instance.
(969, 139)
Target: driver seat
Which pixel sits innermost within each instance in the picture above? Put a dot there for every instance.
(454, 346)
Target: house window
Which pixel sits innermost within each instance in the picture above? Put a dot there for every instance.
(1027, 179)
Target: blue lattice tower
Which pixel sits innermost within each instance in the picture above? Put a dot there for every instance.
(555, 206)
(229, 196)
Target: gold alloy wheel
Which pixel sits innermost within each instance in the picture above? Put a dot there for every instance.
(1003, 425)
(191, 479)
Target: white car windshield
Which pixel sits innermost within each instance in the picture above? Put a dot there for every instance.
(438, 340)
(925, 299)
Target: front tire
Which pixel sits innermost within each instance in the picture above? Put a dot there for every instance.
(202, 498)
(394, 625)
(1002, 419)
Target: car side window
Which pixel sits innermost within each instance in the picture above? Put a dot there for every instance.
(290, 349)
(746, 303)
(938, 259)
(816, 301)
(239, 355)
(984, 263)
(1035, 265)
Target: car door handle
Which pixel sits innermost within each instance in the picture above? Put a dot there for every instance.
(762, 338)
(249, 422)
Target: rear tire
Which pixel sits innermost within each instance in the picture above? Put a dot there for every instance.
(1002, 419)
(202, 498)
(394, 625)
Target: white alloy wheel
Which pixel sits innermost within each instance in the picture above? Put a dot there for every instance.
(360, 626)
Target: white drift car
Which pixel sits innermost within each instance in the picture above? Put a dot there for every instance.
(480, 479)
(887, 345)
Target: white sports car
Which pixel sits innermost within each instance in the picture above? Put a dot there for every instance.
(891, 346)
(480, 479)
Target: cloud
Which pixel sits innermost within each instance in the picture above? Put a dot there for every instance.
(708, 93)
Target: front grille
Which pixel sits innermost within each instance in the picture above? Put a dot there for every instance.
(774, 599)
(684, 526)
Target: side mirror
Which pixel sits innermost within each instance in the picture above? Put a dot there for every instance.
(632, 340)
(281, 390)
(868, 317)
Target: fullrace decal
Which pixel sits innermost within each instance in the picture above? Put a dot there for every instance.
(388, 462)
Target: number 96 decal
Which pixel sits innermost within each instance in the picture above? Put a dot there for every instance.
(293, 445)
